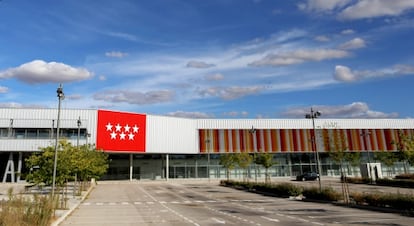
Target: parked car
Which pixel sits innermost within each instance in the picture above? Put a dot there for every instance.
(307, 176)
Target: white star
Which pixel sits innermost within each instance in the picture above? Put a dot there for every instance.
(131, 136)
(122, 136)
(113, 135)
(118, 127)
(108, 127)
(136, 128)
(127, 128)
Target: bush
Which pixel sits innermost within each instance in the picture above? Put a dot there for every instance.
(355, 180)
(405, 183)
(279, 190)
(392, 201)
(408, 176)
(326, 194)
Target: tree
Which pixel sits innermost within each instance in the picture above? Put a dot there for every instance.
(266, 160)
(85, 161)
(244, 160)
(388, 158)
(338, 151)
(405, 147)
(228, 161)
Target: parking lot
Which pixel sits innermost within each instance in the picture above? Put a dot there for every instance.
(207, 203)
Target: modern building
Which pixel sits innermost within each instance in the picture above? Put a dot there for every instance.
(143, 146)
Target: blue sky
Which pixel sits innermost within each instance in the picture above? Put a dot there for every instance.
(211, 59)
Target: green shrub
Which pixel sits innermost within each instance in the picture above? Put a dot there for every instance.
(279, 190)
(405, 183)
(393, 201)
(326, 194)
(355, 180)
(407, 176)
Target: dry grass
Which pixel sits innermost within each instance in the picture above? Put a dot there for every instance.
(33, 210)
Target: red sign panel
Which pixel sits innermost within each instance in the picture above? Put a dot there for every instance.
(120, 131)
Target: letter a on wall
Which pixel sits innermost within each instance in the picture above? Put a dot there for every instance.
(9, 169)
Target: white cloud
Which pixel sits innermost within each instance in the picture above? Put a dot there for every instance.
(74, 97)
(137, 98)
(376, 8)
(229, 93)
(353, 110)
(322, 5)
(348, 32)
(116, 54)
(184, 114)
(214, 77)
(355, 43)
(345, 74)
(361, 9)
(19, 105)
(236, 113)
(102, 78)
(322, 38)
(39, 71)
(4, 89)
(199, 64)
(300, 56)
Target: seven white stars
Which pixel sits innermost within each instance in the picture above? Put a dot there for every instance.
(124, 132)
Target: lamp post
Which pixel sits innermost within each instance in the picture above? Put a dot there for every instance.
(60, 96)
(313, 115)
(252, 131)
(79, 124)
(366, 134)
(208, 159)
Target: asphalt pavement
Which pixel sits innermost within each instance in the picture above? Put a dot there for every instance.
(203, 202)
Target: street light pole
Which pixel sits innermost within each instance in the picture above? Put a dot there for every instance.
(208, 158)
(253, 131)
(312, 116)
(79, 124)
(60, 96)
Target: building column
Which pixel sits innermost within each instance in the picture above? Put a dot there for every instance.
(131, 166)
(167, 173)
(19, 166)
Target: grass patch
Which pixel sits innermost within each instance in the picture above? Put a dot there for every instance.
(36, 210)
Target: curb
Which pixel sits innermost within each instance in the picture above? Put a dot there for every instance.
(67, 213)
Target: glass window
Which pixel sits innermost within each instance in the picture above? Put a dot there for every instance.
(20, 133)
(31, 133)
(4, 133)
(44, 133)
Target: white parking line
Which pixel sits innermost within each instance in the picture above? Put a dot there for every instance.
(270, 219)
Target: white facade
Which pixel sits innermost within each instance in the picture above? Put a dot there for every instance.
(178, 141)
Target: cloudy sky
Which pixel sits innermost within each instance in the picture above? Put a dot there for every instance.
(211, 59)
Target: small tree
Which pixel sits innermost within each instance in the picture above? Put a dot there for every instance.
(84, 161)
(405, 147)
(228, 161)
(266, 160)
(387, 158)
(338, 151)
(244, 160)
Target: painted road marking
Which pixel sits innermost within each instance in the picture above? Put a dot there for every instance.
(270, 219)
